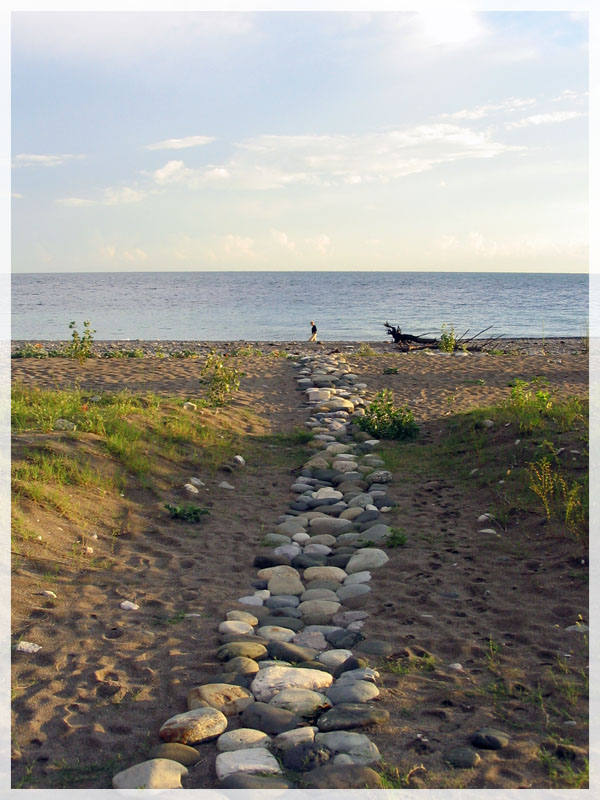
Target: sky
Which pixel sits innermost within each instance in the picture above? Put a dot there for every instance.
(433, 140)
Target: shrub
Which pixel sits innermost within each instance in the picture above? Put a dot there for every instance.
(188, 512)
(219, 379)
(447, 343)
(29, 350)
(81, 344)
(384, 421)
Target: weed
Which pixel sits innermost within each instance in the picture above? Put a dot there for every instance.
(81, 345)
(567, 501)
(392, 778)
(188, 512)
(219, 380)
(383, 420)
(29, 350)
(562, 774)
(366, 350)
(390, 370)
(186, 353)
(396, 538)
(447, 342)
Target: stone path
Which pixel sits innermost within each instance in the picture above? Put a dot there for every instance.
(293, 683)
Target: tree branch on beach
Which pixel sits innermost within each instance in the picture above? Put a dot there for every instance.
(407, 341)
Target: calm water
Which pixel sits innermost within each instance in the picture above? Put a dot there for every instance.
(278, 306)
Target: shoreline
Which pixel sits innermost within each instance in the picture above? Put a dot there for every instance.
(555, 345)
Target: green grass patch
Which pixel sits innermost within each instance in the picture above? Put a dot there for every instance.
(188, 512)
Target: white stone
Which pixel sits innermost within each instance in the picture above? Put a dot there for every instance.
(235, 626)
(290, 550)
(357, 745)
(157, 773)
(333, 658)
(276, 633)
(225, 485)
(197, 482)
(251, 600)
(288, 739)
(239, 460)
(242, 739)
(299, 538)
(190, 406)
(271, 680)
(27, 647)
(325, 574)
(126, 605)
(263, 593)
(242, 616)
(64, 425)
(190, 488)
(303, 702)
(249, 761)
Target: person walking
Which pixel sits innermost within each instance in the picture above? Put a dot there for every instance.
(313, 332)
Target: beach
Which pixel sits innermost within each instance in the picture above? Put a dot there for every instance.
(498, 604)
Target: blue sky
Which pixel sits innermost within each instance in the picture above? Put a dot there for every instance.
(299, 140)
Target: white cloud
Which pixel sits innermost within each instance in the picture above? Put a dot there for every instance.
(136, 254)
(34, 160)
(172, 172)
(123, 195)
(283, 239)
(74, 201)
(450, 26)
(180, 144)
(109, 252)
(238, 245)
(544, 119)
(478, 112)
(321, 243)
(475, 243)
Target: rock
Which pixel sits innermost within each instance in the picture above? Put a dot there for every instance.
(267, 718)
(157, 773)
(239, 461)
(333, 658)
(379, 476)
(279, 619)
(251, 761)
(268, 682)
(242, 616)
(357, 577)
(305, 756)
(353, 595)
(344, 618)
(126, 605)
(243, 665)
(195, 726)
(64, 425)
(190, 488)
(242, 739)
(331, 525)
(27, 647)
(490, 739)
(287, 739)
(377, 534)
(174, 751)
(376, 647)
(319, 594)
(332, 776)
(235, 626)
(289, 551)
(266, 560)
(352, 692)
(282, 601)
(228, 699)
(366, 559)
(275, 539)
(289, 528)
(312, 639)
(351, 715)
(250, 600)
(357, 745)
(247, 649)
(280, 584)
(360, 501)
(325, 574)
(318, 612)
(197, 482)
(189, 406)
(304, 703)
(230, 678)
(242, 780)
(276, 633)
(225, 485)
(463, 757)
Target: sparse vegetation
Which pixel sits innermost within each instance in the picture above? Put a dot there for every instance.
(447, 341)
(188, 512)
(81, 345)
(219, 380)
(385, 421)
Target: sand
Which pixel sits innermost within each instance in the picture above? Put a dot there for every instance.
(91, 701)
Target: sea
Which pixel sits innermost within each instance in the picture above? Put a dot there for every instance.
(279, 306)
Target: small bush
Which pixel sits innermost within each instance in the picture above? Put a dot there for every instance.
(366, 350)
(188, 512)
(219, 379)
(384, 421)
(390, 370)
(29, 350)
(81, 346)
(396, 538)
(447, 343)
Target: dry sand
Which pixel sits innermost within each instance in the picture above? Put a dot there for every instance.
(91, 701)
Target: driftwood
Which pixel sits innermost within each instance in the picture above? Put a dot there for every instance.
(407, 341)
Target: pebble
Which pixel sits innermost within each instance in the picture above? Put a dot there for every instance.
(182, 753)
(126, 605)
(27, 647)
(268, 682)
(490, 739)
(352, 692)
(225, 485)
(303, 702)
(226, 698)
(463, 757)
(269, 719)
(351, 715)
(341, 776)
(366, 559)
(357, 745)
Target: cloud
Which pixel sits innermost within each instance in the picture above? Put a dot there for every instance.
(478, 112)
(475, 243)
(33, 160)
(180, 144)
(321, 243)
(75, 201)
(544, 119)
(109, 252)
(123, 195)
(283, 239)
(238, 245)
(172, 172)
(450, 26)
